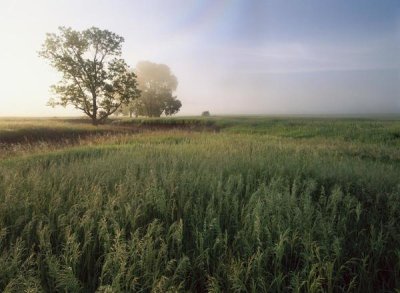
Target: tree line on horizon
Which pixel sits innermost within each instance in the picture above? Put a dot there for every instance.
(97, 81)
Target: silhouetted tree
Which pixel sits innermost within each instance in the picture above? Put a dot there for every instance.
(95, 79)
(205, 114)
(172, 106)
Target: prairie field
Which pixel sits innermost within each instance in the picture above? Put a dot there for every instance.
(186, 204)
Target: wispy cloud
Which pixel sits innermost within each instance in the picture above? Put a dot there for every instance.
(229, 55)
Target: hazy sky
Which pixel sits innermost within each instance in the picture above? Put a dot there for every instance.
(230, 56)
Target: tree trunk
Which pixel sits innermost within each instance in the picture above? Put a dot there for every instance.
(94, 118)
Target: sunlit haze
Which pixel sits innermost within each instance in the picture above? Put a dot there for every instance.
(230, 56)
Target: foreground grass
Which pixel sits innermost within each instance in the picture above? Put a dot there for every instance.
(251, 208)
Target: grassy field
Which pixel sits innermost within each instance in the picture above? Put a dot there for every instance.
(220, 204)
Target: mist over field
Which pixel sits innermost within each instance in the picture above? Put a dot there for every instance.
(210, 146)
(230, 57)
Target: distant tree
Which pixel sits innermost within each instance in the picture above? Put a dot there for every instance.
(205, 114)
(130, 109)
(172, 106)
(95, 79)
(157, 84)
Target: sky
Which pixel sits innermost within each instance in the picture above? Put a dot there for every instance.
(230, 56)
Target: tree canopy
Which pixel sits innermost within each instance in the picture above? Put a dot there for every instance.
(157, 84)
(95, 79)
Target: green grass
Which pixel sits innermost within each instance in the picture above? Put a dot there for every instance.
(261, 205)
(33, 130)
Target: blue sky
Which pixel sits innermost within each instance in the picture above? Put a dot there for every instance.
(230, 56)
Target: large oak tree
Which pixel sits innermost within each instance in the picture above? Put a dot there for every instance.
(95, 79)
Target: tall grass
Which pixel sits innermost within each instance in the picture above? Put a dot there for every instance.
(217, 212)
